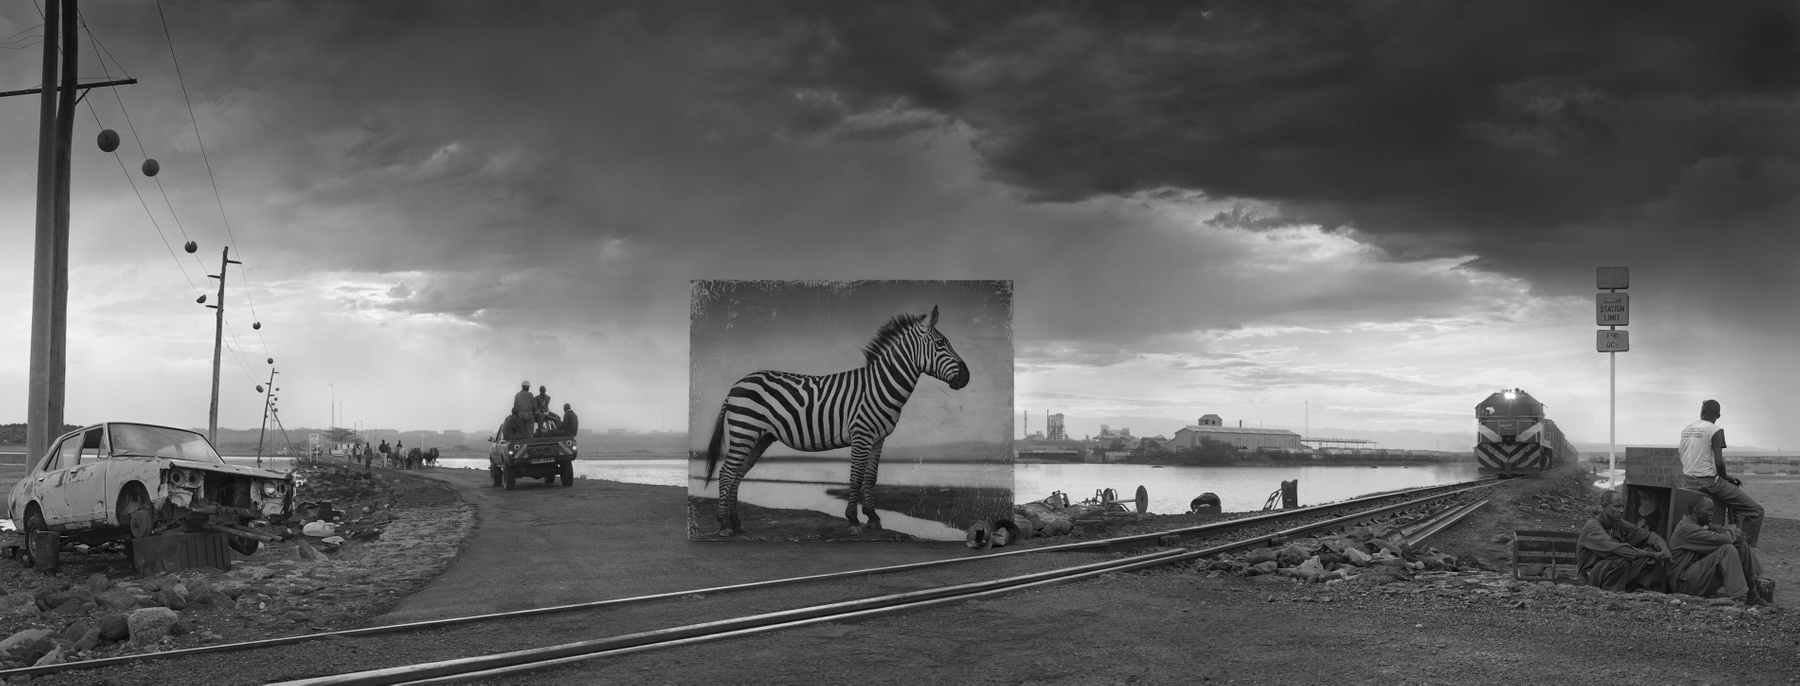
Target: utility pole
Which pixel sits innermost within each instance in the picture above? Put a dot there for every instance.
(212, 417)
(268, 401)
(50, 258)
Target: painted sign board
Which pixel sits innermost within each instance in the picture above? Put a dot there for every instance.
(1608, 341)
(1613, 277)
(1612, 309)
(1653, 467)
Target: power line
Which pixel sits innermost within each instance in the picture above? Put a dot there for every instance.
(201, 140)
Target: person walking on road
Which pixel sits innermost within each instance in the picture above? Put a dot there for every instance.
(1703, 470)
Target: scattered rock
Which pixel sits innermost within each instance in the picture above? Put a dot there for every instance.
(114, 627)
(181, 627)
(98, 583)
(149, 624)
(21, 646)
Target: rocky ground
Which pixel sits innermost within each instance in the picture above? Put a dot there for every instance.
(392, 534)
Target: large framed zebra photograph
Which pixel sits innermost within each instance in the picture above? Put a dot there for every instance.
(849, 410)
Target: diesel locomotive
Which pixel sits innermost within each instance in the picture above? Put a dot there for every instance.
(1514, 438)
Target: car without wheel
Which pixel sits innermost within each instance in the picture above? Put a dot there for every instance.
(120, 481)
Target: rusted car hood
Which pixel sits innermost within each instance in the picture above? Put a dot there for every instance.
(209, 467)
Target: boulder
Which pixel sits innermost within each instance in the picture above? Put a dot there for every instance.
(88, 641)
(1357, 557)
(98, 583)
(170, 598)
(55, 656)
(1260, 555)
(1337, 544)
(22, 646)
(1311, 567)
(149, 624)
(1265, 567)
(181, 627)
(114, 627)
(69, 607)
(117, 599)
(77, 630)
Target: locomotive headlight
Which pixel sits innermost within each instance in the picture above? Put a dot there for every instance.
(1509, 395)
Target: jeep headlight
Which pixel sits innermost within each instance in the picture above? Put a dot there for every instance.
(568, 444)
(271, 489)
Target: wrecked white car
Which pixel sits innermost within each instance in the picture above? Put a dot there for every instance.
(119, 481)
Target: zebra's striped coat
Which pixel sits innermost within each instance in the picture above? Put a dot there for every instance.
(857, 409)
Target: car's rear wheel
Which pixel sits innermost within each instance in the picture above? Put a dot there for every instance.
(568, 473)
(135, 513)
(34, 522)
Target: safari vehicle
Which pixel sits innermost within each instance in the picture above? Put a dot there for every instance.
(121, 481)
(544, 457)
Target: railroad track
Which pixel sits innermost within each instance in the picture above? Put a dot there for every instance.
(1315, 519)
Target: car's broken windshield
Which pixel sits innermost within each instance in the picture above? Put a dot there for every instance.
(175, 444)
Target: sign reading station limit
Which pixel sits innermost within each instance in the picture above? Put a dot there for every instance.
(1610, 341)
(1612, 309)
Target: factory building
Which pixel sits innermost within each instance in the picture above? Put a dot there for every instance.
(1209, 426)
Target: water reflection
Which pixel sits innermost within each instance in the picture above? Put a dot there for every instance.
(1171, 488)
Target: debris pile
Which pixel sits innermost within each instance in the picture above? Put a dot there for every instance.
(1379, 554)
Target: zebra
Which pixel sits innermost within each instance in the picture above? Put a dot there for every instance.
(856, 408)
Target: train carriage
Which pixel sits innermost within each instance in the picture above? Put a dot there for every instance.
(1513, 437)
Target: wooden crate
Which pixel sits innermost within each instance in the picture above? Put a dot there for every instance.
(1545, 555)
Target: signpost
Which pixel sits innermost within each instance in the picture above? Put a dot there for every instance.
(1612, 310)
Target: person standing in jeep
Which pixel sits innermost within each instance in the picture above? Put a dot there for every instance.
(524, 406)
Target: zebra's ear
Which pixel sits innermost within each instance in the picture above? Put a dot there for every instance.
(933, 322)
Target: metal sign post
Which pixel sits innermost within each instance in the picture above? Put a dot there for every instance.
(1612, 310)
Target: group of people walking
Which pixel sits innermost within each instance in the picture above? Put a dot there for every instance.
(397, 456)
(1702, 556)
(531, 416)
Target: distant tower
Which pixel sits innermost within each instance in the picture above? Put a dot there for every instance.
(1055, 431)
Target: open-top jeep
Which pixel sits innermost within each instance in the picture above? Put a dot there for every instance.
(543, 457)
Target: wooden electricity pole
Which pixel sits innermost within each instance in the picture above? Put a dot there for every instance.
(212, 416)
(50, 258)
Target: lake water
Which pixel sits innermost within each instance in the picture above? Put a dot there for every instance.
(1170, 488)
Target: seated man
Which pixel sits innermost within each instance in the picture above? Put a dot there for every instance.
(570, 423)
(1617, 555)
(515, 428)
(1712, 559)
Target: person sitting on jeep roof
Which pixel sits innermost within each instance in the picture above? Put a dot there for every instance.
(569, 421)
(515, 429)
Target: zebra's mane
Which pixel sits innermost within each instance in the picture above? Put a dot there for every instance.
(890, 332)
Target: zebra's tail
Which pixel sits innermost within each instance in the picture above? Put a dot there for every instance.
(712, 449)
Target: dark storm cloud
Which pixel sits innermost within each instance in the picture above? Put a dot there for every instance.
(1540, 136)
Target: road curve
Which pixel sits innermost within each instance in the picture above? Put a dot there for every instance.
(545, 545)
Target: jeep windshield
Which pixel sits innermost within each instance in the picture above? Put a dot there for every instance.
(162, 441)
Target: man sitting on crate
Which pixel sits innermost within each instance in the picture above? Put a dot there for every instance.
(1615, 554)
(1703, 470)
(1712, 559)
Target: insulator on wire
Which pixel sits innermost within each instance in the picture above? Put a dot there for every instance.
(201, 299)
(256, 325)
(109, 140)
(191, 246)
(151, 167)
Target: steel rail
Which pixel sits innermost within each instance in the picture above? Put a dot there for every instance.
(1419, 531)
(502, 664)
(1155, 539)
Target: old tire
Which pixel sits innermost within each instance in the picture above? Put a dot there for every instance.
(134, 510)
(496, 472)
(509, 478)
(568, 473)
(34, 522)
(244, 545)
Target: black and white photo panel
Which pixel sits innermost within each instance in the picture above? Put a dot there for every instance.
(849, 410)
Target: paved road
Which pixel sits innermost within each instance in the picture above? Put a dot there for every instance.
(546, 545)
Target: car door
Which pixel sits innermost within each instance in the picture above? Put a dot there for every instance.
(51, 479)
(84, 489)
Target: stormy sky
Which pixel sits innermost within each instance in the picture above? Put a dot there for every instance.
(1381, 210)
